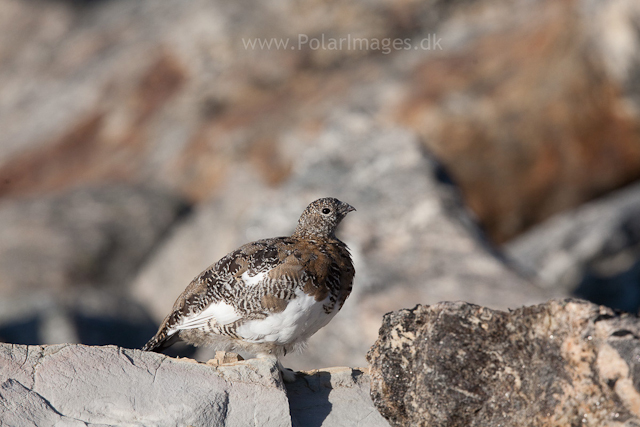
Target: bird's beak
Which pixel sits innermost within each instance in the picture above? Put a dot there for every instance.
(346, 208)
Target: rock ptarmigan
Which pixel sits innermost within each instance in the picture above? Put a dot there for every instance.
(268, 297)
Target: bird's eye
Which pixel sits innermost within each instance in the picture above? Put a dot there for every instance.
(326, 211)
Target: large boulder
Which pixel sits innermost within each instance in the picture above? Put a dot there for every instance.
(533, 105)
(566, 362)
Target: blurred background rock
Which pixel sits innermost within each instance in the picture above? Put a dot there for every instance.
(141, 141)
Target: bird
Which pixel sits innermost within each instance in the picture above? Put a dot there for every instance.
(266, 298)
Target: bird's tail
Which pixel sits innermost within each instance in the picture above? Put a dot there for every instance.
(160, 342)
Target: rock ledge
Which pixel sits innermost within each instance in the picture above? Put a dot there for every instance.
(79, 385)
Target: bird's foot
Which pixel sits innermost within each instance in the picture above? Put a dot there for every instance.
(288, 375)
(224, 358)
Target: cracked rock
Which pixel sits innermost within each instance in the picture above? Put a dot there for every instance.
(565, 362)
(77, 385)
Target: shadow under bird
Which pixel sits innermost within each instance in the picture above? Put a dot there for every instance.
(267, 297)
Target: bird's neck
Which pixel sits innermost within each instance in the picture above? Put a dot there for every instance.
(302, 233)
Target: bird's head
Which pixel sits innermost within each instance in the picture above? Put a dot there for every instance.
(321, 218)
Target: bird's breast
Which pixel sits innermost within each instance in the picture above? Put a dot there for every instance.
(301, 318)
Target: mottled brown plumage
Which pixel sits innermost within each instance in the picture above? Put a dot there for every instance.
(269, 296)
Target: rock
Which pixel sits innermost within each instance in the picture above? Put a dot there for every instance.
(410, 228)
(86, 237)
(333, 397)
(95, 386)
(592, 251)
(174, 93)
(66, 260)
(566, 362)
(88, 316)
(115, 386)
(223, 357)
(522, 102)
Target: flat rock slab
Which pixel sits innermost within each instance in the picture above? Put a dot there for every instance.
(562, 363)
(81, 385)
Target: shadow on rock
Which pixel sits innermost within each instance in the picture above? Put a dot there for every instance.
(309, 399)
(332, 397)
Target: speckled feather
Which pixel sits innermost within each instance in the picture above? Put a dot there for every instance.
(269, 296)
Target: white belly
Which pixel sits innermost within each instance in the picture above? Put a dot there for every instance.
(302, 317)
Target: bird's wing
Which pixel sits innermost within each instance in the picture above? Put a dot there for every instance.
(248, 283)
(220, 312)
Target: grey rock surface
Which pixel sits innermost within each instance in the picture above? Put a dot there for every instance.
(89, 316)
(115, 386)
(592, 251)
(88, 236)
(410, 229)
(79, 385)
(566, 362)
(66, 260)
(333, 397)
